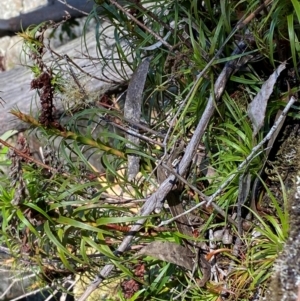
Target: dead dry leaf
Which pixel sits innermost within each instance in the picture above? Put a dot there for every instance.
(257, 108)
(132, 111)
(170, 252)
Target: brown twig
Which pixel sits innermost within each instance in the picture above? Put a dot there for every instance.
(66, 57)
(246, 20)
(29, 158)
(156, 19)
(114, 2)
(72, 7)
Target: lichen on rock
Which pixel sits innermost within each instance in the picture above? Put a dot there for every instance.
(285, 285)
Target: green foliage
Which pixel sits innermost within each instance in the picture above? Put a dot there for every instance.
(75, 212)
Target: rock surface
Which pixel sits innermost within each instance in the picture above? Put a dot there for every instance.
(34, 12)
(10, 46)
(12, 8)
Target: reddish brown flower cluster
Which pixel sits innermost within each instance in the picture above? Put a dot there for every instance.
(43, 83)
(130, 287)
(23, 146)
(16, 173)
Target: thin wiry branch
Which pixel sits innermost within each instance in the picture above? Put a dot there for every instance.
(200, 193)
(170, 47)
(72, 7)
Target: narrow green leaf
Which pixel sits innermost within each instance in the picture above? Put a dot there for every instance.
(117, 220)
(77, 224)
(103, 249)
(83, 251)
(57, 243)
(27, 223)
(41, 211)
(8, 134)
(292, 37)
(296, 5)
